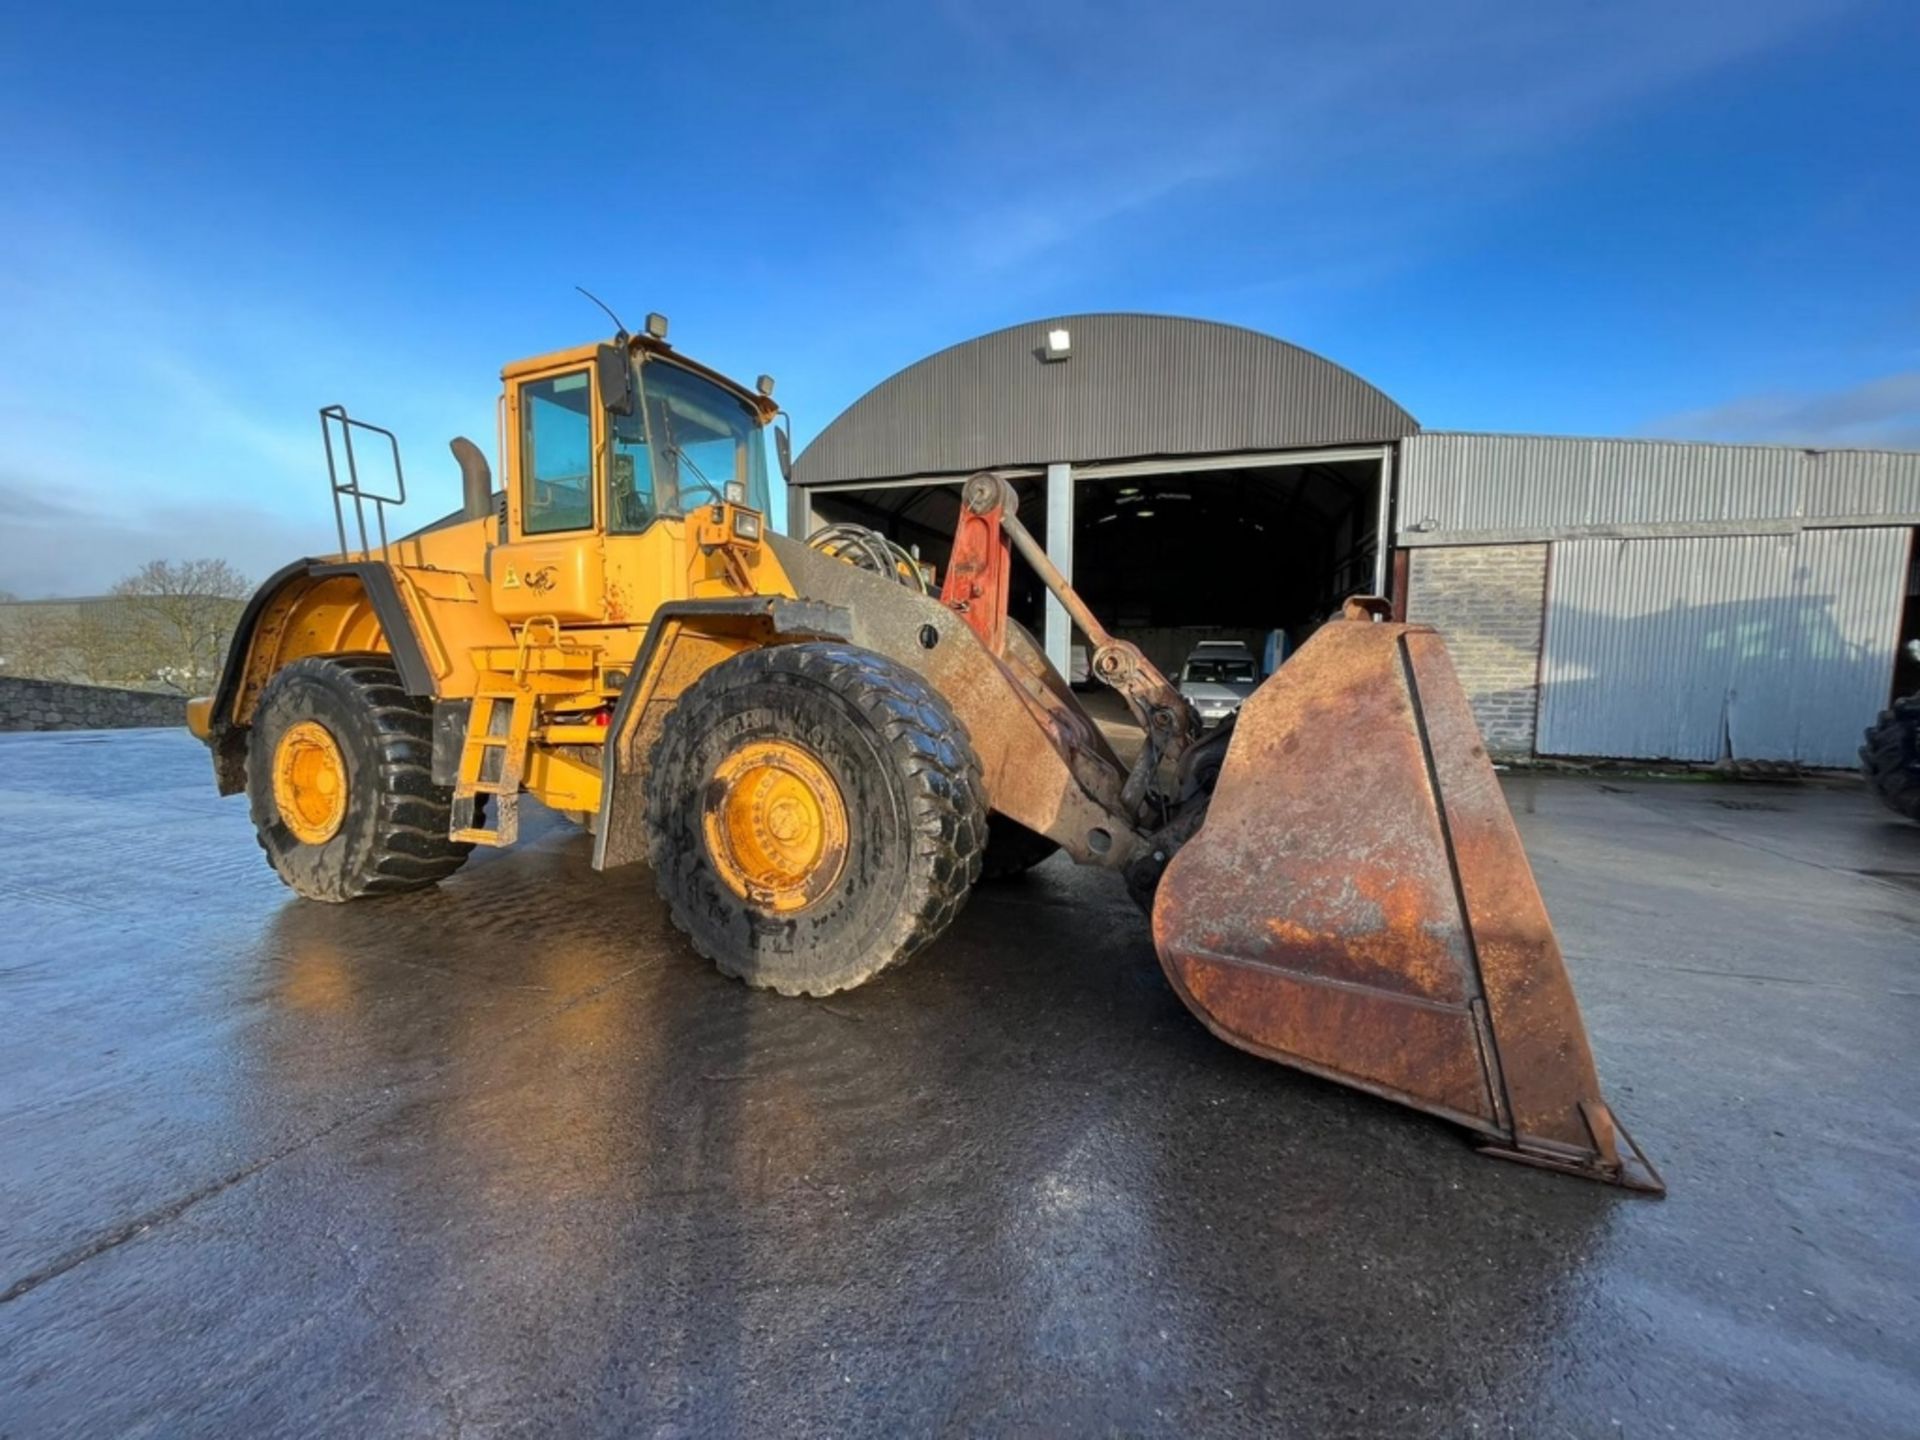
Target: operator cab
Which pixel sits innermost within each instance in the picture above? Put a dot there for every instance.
(604, 444)
(617, 436)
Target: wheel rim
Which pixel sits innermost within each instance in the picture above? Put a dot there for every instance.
(310, 782)
(776, 825)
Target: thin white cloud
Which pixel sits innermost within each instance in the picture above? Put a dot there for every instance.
(145, 416)
(1882, 413)
(57, 545)
(1079, 121)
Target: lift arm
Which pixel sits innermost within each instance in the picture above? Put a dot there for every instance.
(976, 588)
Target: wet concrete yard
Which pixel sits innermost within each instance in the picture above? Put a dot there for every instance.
(508, 1158)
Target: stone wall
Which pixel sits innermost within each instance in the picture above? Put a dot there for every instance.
(49, 705)
(1489, 602)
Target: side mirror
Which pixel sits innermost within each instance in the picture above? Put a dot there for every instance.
(616, 379)
(783, 446)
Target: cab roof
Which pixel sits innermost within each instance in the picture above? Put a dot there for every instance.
(639, 345)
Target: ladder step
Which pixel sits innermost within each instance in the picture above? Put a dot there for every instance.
(506, 821)
(489, 732)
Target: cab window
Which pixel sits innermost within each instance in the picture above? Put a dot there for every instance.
(556, 454)
(630, 502)
(703, 439)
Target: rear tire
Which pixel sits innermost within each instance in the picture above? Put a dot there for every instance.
(389, 833)
(1890, 760)
(894, 816)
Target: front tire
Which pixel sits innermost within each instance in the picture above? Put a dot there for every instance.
(815, 814)
(340, 785)
(1890, 760)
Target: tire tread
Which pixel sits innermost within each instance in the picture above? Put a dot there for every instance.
(411, 848)
(1890, 759)
(929, 749)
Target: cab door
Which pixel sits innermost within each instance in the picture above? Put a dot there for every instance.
(553, 560)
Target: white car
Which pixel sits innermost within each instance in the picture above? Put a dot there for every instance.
(1218, 676)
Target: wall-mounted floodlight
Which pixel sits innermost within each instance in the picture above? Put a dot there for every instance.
(1059, 344)
(765, 386)
(657, 325)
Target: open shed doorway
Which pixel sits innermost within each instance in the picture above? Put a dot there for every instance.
(922, 516)
(1259, 554)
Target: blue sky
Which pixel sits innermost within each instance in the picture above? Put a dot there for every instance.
(1622, 218)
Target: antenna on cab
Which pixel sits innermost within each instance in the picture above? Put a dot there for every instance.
(620, 331)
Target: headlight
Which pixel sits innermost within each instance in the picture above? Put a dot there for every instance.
(746, 524)
(737, 492)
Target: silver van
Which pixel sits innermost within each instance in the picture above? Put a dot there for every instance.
(1218, 675)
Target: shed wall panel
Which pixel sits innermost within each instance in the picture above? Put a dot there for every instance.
(1455, 486)
(1757, 647)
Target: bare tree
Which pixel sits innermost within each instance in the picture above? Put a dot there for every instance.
(37, 643)
(174, 620)
(165, 626)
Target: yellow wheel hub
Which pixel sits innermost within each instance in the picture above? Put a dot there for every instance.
(310, 782)
(776, 826)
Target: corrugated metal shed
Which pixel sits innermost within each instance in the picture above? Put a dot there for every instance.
(1459, 489)
(1762, 647)
(1133, 386)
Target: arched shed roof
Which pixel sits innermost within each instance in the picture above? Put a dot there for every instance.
(1134, 386)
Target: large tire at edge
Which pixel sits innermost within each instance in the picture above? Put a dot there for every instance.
(1890, 760)
(392, 835)
(906, 777)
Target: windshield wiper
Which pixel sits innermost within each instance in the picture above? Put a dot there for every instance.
(679, 457)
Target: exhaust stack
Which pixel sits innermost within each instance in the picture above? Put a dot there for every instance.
(476, 478)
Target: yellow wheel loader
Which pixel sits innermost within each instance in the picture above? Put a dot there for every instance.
(818, 754)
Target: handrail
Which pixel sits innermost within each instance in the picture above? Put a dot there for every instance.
(352, 489)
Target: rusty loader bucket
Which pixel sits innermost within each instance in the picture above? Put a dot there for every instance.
(1357, 904)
